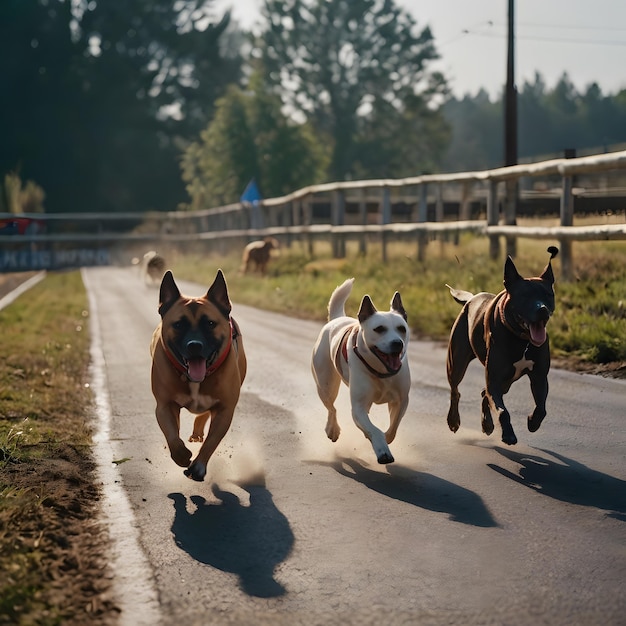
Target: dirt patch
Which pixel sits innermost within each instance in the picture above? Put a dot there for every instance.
(60, 526)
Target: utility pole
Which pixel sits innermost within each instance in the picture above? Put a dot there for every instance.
(510, 130)
(510, 102)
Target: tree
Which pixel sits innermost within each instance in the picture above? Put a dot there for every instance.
(101, 95)
(349, 67)
(250, 137)
(477, 133)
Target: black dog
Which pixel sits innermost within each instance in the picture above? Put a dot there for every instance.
(507, 333)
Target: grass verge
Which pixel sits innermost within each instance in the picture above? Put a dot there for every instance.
(587, 331)
(53, 568)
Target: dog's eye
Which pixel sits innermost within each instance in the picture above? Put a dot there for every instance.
(179, 324)
(401, 330)
(380, 330)
(209, 324)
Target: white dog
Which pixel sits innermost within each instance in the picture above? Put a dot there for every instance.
(369, 355)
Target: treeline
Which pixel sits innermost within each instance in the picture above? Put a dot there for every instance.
(550, 121)
(157, 105)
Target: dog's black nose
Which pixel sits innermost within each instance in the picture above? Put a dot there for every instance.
(396, 346)
(194, 348)
(543, 312)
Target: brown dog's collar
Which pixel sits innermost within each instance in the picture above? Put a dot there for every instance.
(181, 368)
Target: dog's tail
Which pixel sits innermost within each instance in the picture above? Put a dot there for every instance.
(459, 295)
(337, 302)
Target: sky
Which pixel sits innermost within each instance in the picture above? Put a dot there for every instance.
(584, 38)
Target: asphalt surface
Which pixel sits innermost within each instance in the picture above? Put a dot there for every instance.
(290, 528)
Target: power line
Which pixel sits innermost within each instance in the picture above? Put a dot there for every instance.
(549, 39)
(476, 30)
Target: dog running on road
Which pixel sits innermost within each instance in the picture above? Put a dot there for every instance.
(369, 355)
(152, 267)
(507, 333)
(198, 363)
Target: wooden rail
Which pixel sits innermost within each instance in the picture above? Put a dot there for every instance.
(294, 215)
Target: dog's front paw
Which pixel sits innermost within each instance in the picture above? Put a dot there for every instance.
(196, 438)
(181, 455)
(196, 471)
(509, 438)
(385, 458)
(534, 420)
(454, 421)
(333, 431)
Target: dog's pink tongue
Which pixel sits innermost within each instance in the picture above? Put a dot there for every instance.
(394, 362)
(537, 333)
(196, 370)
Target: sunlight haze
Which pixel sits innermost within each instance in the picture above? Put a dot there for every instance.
(585, 39)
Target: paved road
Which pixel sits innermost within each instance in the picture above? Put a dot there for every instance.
(289, 528)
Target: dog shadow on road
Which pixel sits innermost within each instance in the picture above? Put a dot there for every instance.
(249, 541)
(419, 489)
(566, 480)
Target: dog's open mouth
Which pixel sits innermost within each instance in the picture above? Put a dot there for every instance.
(537, 332)
(196, 369)
(392, 360)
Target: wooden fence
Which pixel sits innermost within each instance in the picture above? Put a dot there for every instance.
(417, 207)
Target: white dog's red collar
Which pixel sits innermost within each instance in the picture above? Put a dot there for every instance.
(343, 351)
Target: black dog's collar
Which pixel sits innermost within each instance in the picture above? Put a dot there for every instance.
(520, 331)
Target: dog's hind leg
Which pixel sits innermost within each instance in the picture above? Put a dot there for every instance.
(487, 419)
(460, 355)
(328, 382)
(328, 395)
(198, 426)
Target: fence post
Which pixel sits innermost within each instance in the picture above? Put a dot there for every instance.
(385, 218)
(567, 219)
(439, 203)
(308, 221)
(338, 218)
(422, 216)
(422, 209)
(510, 213)
(493, 216)
(363, 220)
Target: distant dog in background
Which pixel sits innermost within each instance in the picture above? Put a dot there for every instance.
(258, 254)
(152, 267)
(507, 333)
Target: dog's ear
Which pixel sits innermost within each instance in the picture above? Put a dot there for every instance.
(218, 294)
(367, 309)
(511, 275)
(397, 306)
(168, 294)
(548, 274)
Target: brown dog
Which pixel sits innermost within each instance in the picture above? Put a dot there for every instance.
(507, 333)
(258, 253)
(198, 363)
